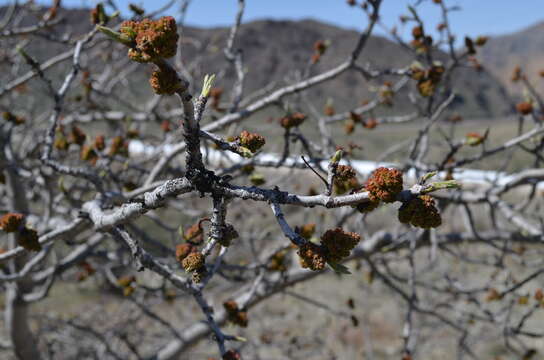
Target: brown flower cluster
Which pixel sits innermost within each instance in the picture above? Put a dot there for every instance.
(517, 74)
(235, 315)
(421, 42)
(183, 250)
(320, 47)
(152, 39)
(195, 233)
(26, 237)
(345, 179)
(11, 222)
(312, 256)
(427, 80)
(192, 262)
(165, 81)
(384, 184)
(215, 95)
(420, 212)
(229, 234)
(252, 141)
(292, 120)
(336, 244)
(524, 108)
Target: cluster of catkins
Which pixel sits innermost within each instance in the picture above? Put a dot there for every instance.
(150, 41)
(188, 254)
(153, 39)
(251, 141)
(335, 245)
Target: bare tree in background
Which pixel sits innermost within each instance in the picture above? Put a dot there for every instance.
(172, 202)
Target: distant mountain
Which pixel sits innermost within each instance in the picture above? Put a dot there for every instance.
(524, 48)
(278, 52)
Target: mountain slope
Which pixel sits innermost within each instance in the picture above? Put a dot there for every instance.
(524, 48)
(278, 52)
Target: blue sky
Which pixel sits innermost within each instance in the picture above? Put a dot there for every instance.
(477, 17)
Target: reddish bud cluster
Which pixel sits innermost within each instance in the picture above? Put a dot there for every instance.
(427, 79)
(235, 315)
(384, 184)
(15, 223)
(195, 234)
(252, 141)
(165, 81)
(420, 212)
(183, 250)
(11, 222)
(421, 42)
(153, 39)
(524, 108)
(517, 74)
(14, 119)
(215, 95)
(292, 120)
(320, 47)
